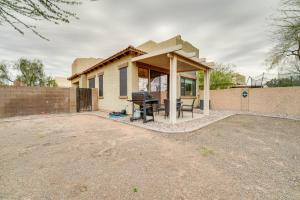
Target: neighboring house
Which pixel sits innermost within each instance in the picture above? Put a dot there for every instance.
(62, 82)
(164, 69)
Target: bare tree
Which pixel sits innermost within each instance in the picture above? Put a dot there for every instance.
(4, 74)
(286, 33)
(16, 12)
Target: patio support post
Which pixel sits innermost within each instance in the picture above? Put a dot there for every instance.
(206, 91)
(173, 89)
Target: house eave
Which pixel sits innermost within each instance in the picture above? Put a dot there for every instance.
(129, 50)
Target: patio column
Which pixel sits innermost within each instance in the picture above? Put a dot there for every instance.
(206, 91)
(173, 89)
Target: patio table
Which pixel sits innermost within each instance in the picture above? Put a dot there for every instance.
(178, 107)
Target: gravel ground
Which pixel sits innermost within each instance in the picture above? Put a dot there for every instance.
(179, 127)
(88, 157)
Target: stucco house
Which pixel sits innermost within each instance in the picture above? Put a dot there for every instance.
(166, 69)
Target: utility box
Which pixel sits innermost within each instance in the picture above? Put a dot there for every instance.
(202, 104)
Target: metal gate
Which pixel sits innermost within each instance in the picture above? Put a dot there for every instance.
(84, 99)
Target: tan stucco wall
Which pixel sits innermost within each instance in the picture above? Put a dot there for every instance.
(80, 64)
(83, 81)
(111, 85)
(135, 78)
(282, 100)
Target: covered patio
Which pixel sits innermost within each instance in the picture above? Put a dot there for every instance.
(172, 61)
(182, 125)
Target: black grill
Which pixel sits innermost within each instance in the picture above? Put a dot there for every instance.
(145, 101)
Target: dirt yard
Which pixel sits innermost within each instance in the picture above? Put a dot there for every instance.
(87, 157)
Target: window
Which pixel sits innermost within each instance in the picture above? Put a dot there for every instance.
(100, 77)
(143, 79)
(188, 87)
(123, 81)
(92, 83)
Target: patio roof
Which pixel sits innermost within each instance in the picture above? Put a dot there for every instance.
(174, 60)
(185, 61)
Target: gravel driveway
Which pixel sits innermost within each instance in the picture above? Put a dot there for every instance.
(87, 157)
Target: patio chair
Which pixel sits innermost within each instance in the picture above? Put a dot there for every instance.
(188, 108)
(167, 107)
(159, 107)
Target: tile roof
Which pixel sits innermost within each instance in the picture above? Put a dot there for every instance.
(118, 55)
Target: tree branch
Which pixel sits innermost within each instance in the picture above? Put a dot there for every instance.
(54, 11)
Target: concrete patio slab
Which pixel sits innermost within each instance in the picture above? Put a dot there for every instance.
(186, 124)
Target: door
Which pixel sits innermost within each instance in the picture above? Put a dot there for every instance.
(84, 99)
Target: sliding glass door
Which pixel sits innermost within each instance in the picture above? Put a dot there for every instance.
(143, 74)
(158, 85)
(154, 82)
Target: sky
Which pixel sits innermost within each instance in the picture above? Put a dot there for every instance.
(231, 31)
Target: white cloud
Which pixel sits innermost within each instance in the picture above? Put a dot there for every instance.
(232, 31)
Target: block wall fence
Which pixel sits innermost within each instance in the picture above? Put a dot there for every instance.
(16, 101)
(278, 101)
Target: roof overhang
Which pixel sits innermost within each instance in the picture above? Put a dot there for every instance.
(118, 55)
(185, 61)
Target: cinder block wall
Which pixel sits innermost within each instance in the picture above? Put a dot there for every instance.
(284, 100)
(36, 100)
(72, 100)
(229, 99)
(281, 100)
